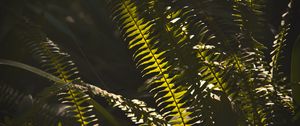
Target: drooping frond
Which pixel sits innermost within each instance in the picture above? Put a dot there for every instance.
(137, 32)
(278, 46)
(58, 63)
(135, 109)
(54, 61)
(278, 79)
(77, 105)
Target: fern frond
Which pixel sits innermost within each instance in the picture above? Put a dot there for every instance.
(33, 110)
(135, 109)
(250, 64)
(278, 46)
(249, 15)
(55, 61)
(215, 76)
(217, 15)
(78, 106)
(210, 64)
(10, 98)
(258, 81)
(182, 30)
(278, 79)
(58, 63)
(137, 31)
(248, 69)
(171, 24)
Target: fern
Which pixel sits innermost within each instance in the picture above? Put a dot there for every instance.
(215, 75)
(249, 15)
(200, 59)
(65, 69)
(135, 109)
(278, 78)
(185, 31)
(174, 32)
(278, 46)
(150, 58)
(58, 63)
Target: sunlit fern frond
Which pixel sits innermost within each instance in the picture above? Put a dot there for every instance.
(77, 105)
(54, 61)
(135, 109)
(278, 77)
(278, 47)
(253, 78)
(183, 29)
(203, 113)
(137, 32)
(215, 76)
(171, 24)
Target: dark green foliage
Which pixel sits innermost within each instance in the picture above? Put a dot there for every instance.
(27, 106)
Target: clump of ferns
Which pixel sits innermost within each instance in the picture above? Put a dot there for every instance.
(194, 60)
(230, 64)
